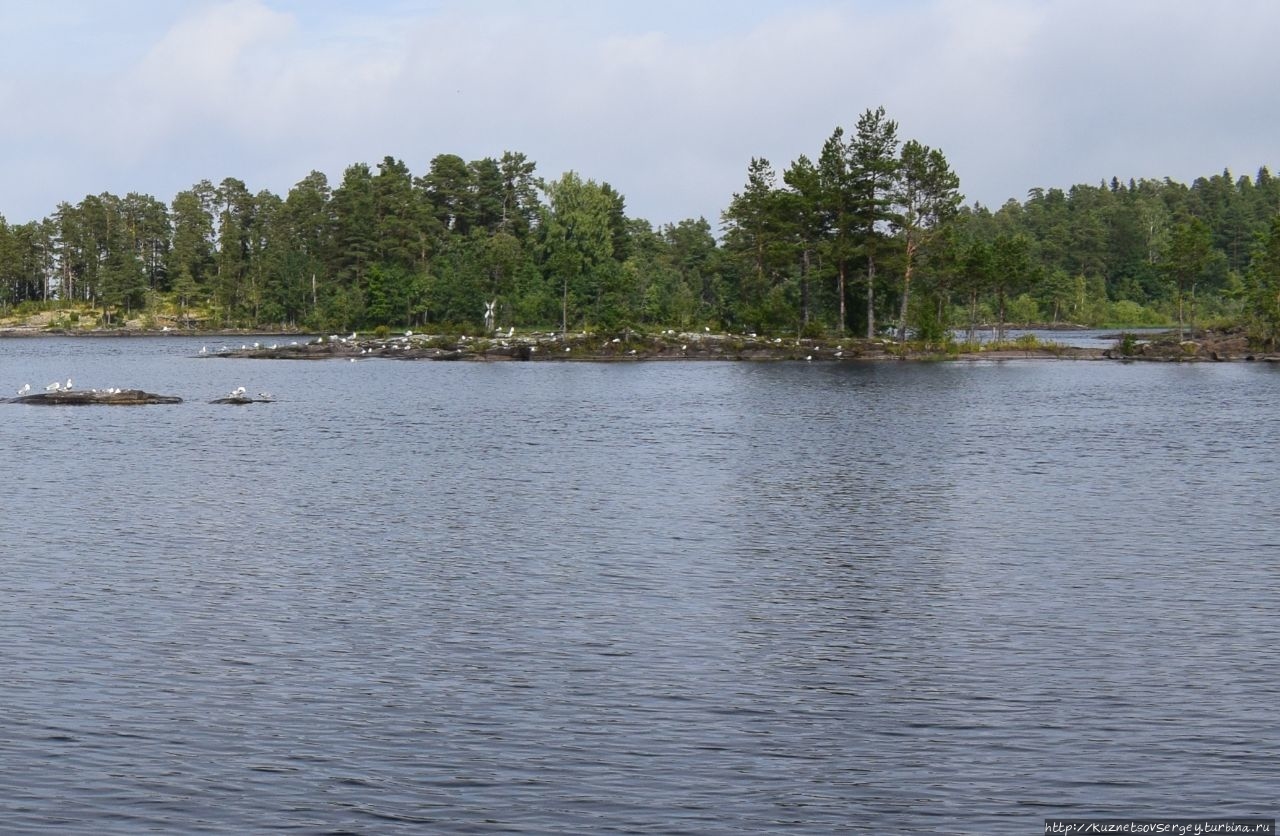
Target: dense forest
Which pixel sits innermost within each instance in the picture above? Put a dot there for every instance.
(868, 237)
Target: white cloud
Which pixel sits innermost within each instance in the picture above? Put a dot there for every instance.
(664, 101)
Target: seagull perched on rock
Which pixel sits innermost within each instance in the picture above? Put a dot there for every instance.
(26, 387)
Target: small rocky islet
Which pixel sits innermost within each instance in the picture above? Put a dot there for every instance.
(94, 397)
(671, 345)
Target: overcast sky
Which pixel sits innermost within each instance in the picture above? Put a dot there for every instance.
(666, 100)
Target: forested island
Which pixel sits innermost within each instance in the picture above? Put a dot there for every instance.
(867, 238)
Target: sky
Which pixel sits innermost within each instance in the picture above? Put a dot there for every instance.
(666, 101)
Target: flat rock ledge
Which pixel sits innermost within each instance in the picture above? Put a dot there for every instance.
(125, 397)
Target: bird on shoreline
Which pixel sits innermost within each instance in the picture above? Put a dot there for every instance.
(26, 387)
(53, 387)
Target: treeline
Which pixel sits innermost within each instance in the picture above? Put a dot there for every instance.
(868, 236)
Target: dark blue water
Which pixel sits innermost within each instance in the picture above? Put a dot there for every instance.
(666, 598)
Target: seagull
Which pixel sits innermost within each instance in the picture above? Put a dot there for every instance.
(53, 387)
(408, 333)
(511, 331)
(26, 387)
(810, 357)
(67, 387)
(204, 349)
(266, 396)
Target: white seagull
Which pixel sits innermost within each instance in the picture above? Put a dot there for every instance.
(26, 387)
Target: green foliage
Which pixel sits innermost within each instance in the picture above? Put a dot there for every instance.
(813, 330)
(869, 229)
(1263, 287)
(1025, 310)
(1027, 341)
(1127, 313)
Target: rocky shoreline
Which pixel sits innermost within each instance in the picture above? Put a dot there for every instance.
(622, 347)
(669, 345)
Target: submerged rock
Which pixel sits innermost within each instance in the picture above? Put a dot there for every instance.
(240, 400)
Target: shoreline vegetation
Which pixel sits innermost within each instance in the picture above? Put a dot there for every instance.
(669, 344)
(867, 236)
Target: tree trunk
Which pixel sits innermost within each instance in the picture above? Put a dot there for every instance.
(840, 291)
(1181, 333)
(973, 316)
(871, 297)
(1000, 325)
(804, 289)
(1192, 336)
(906, 291)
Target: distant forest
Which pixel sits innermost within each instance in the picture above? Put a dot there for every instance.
(868, 237)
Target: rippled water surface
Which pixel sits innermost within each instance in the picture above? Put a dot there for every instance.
(663, 597)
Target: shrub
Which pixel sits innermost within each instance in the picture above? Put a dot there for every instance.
(813, 330)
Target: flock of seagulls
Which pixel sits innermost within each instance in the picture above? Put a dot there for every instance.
(240, 393)
(59, 386)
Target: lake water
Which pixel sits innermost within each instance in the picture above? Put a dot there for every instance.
(655, 597)
(1072, 337)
